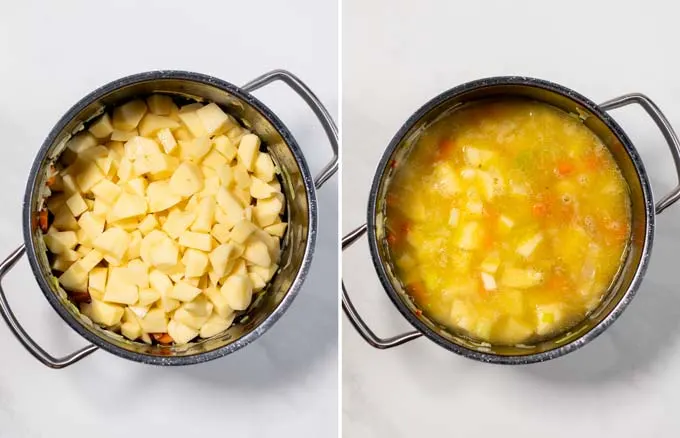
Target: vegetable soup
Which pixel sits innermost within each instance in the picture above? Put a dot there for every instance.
(509, 221)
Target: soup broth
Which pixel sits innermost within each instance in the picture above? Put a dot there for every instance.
(508, 221)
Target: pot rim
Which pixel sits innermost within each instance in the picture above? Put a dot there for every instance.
(648, 203)
(290, 141)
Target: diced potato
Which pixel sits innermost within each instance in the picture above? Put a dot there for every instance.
(265, 273)
(470, 236)
(214, 160)
(131, 330)
(528, 246)
(148, 224)
(488, 281)
(200, 241)
(491, 263)
(138, 273)
(107, 191)
(84, 238)
(264, 167)
(181, 333)
(183, 291)
(515, 331)
(113, 242)
(159, 104)
(186, 180)
(230, 205)
(127, 205)
(164, 254)
(462, 315)
(178, 222)
(102, 127)
(214, 120)
(257, 252)
(190, 320)
(104, 313)
(521, 278)
(224, 146)
(76, 204)
(136, 186)
(100, 208)
(155, 322)
(61, 241)
(190, 119)
(90, 260)
(97, 282)
(238, 290)
(219, 301)
(125, 170)
(257, 281)
(205, 216)
(248, 149)
(221, 256)
(161, 197)
(549, 317)
(221, 232)
(74, 278)
(126, 117)
(277, 229)
(477, 157)
(152, 123)
(119, 288)
(241, 176)
(215, 325)
(122, 135)
(267, 211)
(81, 141)
(260, 189)
(167, 140)
(196, 262)
(505, 224)
(241, 231)
(446, 181)
(148, 296)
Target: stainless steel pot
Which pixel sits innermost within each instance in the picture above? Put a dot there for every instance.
(643, 211)
(297, 183)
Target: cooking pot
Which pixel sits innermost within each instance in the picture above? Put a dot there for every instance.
(298, 187)
(633, 268)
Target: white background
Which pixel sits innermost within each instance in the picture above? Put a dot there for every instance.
(51, 55)
(398, 54)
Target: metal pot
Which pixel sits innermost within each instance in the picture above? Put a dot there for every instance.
(297, 184)
(643, 217)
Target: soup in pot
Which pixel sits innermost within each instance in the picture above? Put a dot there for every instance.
(508, 221)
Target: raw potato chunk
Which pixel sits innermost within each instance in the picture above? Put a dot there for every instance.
(113, 242)
(256, 252)
(164, 254)
(206, 215)
(167, 140)
(102, 128)
(76, 204)
(200, 241)
(160, 104)
(104, 313)
(178, 222)
(248, 150)
(190, 119)
(80, 142)
(75, 278)
(127, 116)
(264, 167)
(183, 291)
(214, 120)
(152, 123)
(242, 231)
(220, 258)
(196, 262)
(97, 282)
(238, 290)
(61, 241)
(180, 333)
(224, 146)
(215, 325)
(260, 189)
(107, 191)
(155, 321)
(161, 197)
(119, 288)
(220, 303)
(186, 180)
(128, 205)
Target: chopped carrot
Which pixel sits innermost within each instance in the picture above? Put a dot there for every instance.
(393, 163)
(80, 297)
(416, 290)
(565, 167)
(593, 162)
(445, 149)
(162, 338)
(540, 209)
(391, 238)
(618, 230)
(43, 220)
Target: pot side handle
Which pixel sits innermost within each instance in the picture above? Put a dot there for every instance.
(20, 333)
(355, 318)
(317, 107)
(666, 129)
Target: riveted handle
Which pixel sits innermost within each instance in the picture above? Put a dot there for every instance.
(18, 331)
(355, 318)
(666, 129)
(317, 107)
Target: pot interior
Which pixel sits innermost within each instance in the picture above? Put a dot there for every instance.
(630, 272)
(294, 178)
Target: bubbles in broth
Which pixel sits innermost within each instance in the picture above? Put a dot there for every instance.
(509, 221)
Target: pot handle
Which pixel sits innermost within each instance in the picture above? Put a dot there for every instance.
(20, 333)
(666, 129)
(353, 315)
(317, 107)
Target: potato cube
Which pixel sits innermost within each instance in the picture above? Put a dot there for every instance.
(181, 333)
(214, 160)
(219, 301)
(64, 220)
(138, 273)
(113, 242)
(61, 241)
(70, 186)
(160, 282)
(257, 281)
(265, 273)
(521, 278)
(241, 176)
(241, 231)
(195, 149)
(248, 149)
(187, 114)
(126, 117)
(178, 222)
(81, 141)
(161, 197)
(211, 185)
(91, 259)
(220, 232)
(239, 268)
(470, 236)
(97, 282)
(148, 296)
(196, 262)
(267, 210)
(182, 134)
(200, 306)
(122, 135)
(220, 256)
(76, 204)
(148, 242)
(152, 123)
(527, 247)
(238, 290)
(160, 104)
(107, 191)
(125, 170)
(264, 167)
(136, 186)
(215, 325)
(276, 229)
(131, 330)
(183, 291)
(226, 175)
(205, 216)
(256, 252)
(260, 189)
(491, 263)
(224, 146)
(129, 224)
(119, 287)
(186, 180)
(84, 238)
(231, 206)
(102, 127)
(104, 313)
(83, 250)
(214, 120)
(549, 317)
(74, 278)
(195, 322)
(194, 240)
(155, 321)
(164, 254)
(167, 140)
(148, 224)
(127, 205)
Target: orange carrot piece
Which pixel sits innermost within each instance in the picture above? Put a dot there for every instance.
(540, 209)
(162, 338)
(565, 167)
(42, 220)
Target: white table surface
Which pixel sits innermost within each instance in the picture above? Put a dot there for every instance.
(397, 54)
(51, 55)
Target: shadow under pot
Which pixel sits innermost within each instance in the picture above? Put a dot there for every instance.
(633, 266)
(298, 187)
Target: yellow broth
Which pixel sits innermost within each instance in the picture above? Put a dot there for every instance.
(508, 221)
